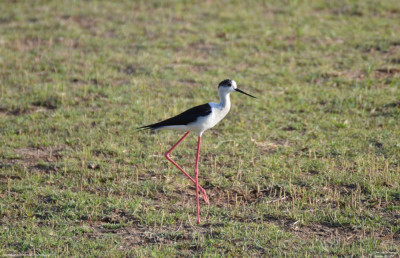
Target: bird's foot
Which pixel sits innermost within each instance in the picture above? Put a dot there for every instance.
(205, 197)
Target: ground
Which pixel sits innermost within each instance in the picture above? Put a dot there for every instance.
(310, 167)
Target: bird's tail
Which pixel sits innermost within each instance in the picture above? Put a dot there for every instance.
(143, 128)
(151, 127)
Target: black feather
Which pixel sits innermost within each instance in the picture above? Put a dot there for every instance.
(225, 83)
(187, 117)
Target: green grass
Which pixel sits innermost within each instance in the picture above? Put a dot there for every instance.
(311, 167)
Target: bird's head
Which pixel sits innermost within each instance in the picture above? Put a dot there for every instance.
(227, 86)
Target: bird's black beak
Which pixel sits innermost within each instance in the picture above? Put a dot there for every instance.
(244, 93)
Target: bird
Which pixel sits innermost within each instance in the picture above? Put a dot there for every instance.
(198, 119)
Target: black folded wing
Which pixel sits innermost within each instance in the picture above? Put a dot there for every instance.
(185, 118)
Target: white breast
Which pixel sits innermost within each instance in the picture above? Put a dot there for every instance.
(218, 112)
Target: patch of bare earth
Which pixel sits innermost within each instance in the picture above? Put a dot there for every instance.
(132, 236)
(344, 233)
(28, 44)
(346, 75)
(83, 21)
(19, 110)
(383, 73)
(47, 104)
(30, 157)
(270, 146)
(5, 178)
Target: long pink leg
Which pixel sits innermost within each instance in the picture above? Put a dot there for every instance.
(196, 175)
(181, 169)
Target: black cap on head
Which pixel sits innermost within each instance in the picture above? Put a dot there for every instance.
(225, 83)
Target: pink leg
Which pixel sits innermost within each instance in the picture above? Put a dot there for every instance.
(181, 169)
(196, 174)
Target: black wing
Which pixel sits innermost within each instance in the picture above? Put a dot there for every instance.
(184, 118)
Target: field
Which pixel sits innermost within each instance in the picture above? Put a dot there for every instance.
(310, 167)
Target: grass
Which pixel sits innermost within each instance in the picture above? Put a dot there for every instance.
(309, 168)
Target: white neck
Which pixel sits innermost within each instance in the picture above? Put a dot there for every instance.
(224, 99)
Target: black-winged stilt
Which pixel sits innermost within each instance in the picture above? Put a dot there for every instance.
(198, 119)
